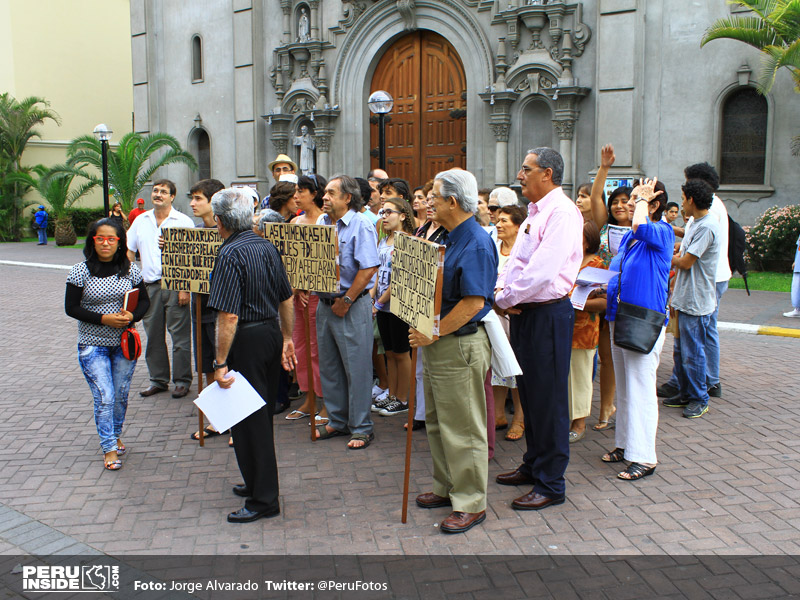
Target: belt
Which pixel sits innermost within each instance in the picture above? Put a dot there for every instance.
(157, 281)
(468, 329)
(249, 324)
(330, 301)
(531, 305)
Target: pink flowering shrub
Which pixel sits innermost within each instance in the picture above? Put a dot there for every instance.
(772, 241)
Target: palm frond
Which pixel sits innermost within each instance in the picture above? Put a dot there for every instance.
(750, 30)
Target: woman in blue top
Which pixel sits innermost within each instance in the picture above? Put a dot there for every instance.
(644, 262)
(795, 312)
(95, 291)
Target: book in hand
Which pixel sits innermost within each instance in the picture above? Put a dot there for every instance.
(131, 300)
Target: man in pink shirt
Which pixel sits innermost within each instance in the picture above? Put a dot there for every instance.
(534, 289)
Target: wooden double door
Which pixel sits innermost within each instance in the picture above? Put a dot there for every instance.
(427, 132)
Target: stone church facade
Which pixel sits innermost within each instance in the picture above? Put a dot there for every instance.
(475, 83)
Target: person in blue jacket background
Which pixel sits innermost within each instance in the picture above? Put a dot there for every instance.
(41, 217)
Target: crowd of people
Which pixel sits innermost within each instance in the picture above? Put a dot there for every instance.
(506, 260)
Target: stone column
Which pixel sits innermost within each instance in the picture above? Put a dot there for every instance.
(566, 131)
(323, 133)
(500, 124)
(314, 19)
(279, 135)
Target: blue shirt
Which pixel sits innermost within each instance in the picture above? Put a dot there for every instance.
(470, 267)
(796, 257)
(645, 268)
(358, 249)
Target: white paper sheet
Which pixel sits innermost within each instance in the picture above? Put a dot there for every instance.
(595, 276)
(225, 408)
(615, 235)
(580, 294)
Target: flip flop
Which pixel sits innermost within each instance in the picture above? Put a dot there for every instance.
(296, 415)
(321, 420)
(603, 425)
(209, 433)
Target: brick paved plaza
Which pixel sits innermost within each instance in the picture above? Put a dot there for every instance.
(726, 484)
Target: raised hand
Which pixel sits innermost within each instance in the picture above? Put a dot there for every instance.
(607, 156)
(646, 190)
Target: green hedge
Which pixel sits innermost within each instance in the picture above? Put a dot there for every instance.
(81, 219)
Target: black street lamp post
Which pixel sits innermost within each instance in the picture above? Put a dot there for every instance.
(380, 103)
(103, 133)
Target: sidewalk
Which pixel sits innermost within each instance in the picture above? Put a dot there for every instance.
(728, 483)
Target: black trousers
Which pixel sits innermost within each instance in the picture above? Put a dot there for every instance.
(542, 341)
(256, 354)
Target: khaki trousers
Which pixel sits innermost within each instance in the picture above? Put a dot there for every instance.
(580, 383)
(454, 369)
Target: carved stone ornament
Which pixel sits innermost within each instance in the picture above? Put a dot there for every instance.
(408, 11)
(281, 146)
(500, 131)
(351, 11)
(536, 82)
(565, 129)
(323, 142)
(304, 104)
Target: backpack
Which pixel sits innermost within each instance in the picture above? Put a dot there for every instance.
(737, 244)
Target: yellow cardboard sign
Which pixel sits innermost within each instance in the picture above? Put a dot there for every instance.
(188, 257)
(310, 255)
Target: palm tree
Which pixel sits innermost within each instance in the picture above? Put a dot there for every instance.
(774, 29)
(18, 119)
(128, 171)
(54, 185)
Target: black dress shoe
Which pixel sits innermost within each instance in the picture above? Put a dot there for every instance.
(242, 490)
(243, 515)
(152, 391)
(281, 407)
(180, 391)
(515, 477)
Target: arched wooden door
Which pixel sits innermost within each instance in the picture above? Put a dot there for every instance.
(425, 77)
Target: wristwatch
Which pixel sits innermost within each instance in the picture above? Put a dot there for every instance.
(347, 300)
(217, 365)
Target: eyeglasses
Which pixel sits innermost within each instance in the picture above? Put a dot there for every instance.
(105, 239)
(494, 207)
(389, 211)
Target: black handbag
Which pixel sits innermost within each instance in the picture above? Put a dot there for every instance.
(635, 327)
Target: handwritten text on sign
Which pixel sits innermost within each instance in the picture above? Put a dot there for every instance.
(187, 258)
(309, 255)
(415, 266)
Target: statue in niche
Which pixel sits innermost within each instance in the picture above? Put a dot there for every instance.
(303, 27)
(307, 146)
(537, 2)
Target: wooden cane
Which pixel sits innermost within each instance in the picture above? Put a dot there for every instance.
(198, 326)
(412, 402)
(310, 370)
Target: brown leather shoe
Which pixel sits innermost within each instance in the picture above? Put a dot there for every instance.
(459, 522)
(431, 500)
(152, 391)
(180, 391)
(535, 501)
(515, 477)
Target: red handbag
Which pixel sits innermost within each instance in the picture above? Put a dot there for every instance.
(131, 344)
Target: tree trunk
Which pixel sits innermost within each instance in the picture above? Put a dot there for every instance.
(65, 232)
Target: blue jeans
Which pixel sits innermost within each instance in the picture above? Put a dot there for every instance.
(42, 235)
(712, 340)
(692, 365)
(712, 347)
(108, 374)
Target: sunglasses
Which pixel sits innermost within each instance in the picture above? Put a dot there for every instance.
(494, 207)
(105, 239)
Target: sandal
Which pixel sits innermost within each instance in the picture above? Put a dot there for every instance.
(601, 425)
(326, 435)
(360, 437)
(113, 465)
(616, 455)
(636, 471)
(207, 433)
(500, 425)
(516, 432)
(121, 449)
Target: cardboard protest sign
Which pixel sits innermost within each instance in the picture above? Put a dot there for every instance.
(417, 266)
(187, 258)
(310, 255)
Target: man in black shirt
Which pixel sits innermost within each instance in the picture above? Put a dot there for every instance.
(249, 289)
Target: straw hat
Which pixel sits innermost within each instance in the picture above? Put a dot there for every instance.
(282, 158)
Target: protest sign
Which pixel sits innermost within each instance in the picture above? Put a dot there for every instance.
(310, 255)
(187, 258)
(417, 282)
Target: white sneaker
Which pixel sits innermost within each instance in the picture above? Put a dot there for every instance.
(378, 391)
(792, 313)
